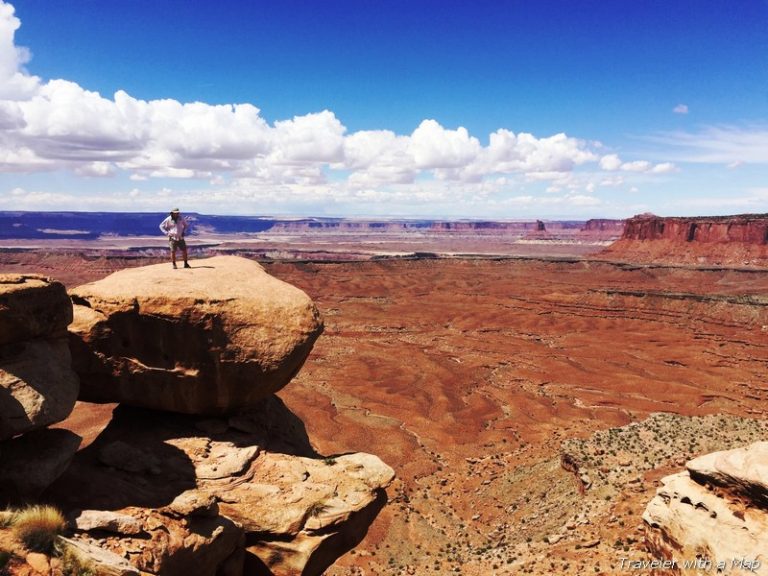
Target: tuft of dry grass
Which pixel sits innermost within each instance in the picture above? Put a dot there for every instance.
(6, 518)
(38, 526)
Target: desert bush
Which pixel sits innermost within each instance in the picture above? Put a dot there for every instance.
(72, 563)
(38, 526)
(317, 508)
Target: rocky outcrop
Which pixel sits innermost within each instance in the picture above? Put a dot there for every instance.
(302, 512)
(223, 481)
(164, 544)
(213, 491)
(717, 511)
(37, 384)
(32, 306)
(212, 339)
(722, 240)
(104, 563)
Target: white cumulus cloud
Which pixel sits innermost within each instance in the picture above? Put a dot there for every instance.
(433, 146)
(58, 125)
(14, 82)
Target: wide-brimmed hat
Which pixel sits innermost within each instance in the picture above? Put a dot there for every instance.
(175, 210)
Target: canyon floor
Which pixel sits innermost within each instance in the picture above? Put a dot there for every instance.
(528, 405)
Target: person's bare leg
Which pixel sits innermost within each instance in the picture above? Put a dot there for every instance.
(184, 253)
(173, 257)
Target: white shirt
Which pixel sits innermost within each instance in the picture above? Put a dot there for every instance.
(174, 229)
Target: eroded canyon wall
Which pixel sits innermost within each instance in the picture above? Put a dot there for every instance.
(719, 240)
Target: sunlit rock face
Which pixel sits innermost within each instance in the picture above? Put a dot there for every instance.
(214, 338)
(716, 511)
(718, 240)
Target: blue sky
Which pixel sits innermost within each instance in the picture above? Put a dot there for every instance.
(503, 109)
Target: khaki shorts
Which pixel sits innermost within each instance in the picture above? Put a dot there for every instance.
(180, 243)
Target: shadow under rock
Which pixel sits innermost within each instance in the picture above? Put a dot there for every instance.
(275, 428)
(145, 458)
(131, 463)
(31, 462)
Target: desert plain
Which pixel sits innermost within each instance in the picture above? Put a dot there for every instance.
(528, 403)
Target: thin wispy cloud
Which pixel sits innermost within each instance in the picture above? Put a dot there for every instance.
(680, 109)
(731, 145)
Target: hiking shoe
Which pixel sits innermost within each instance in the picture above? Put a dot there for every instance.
(174, 266)
(186, 265)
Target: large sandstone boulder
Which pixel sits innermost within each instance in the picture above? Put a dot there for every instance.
(32, 306)
(37, 384)
(716, 511)
(212, 339)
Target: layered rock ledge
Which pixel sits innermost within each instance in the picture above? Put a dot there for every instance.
(178, 494)
(212, 339)
(716, 511)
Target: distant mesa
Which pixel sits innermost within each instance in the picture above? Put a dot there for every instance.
(604, 225)
(740, 240)
(93, 225)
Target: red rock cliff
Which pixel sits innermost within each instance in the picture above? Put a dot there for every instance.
(749, 228)
(719, 240)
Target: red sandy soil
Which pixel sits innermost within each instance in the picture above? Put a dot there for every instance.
(430, 363)
(466, 375)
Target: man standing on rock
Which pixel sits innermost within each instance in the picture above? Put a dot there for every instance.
(174, 226)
